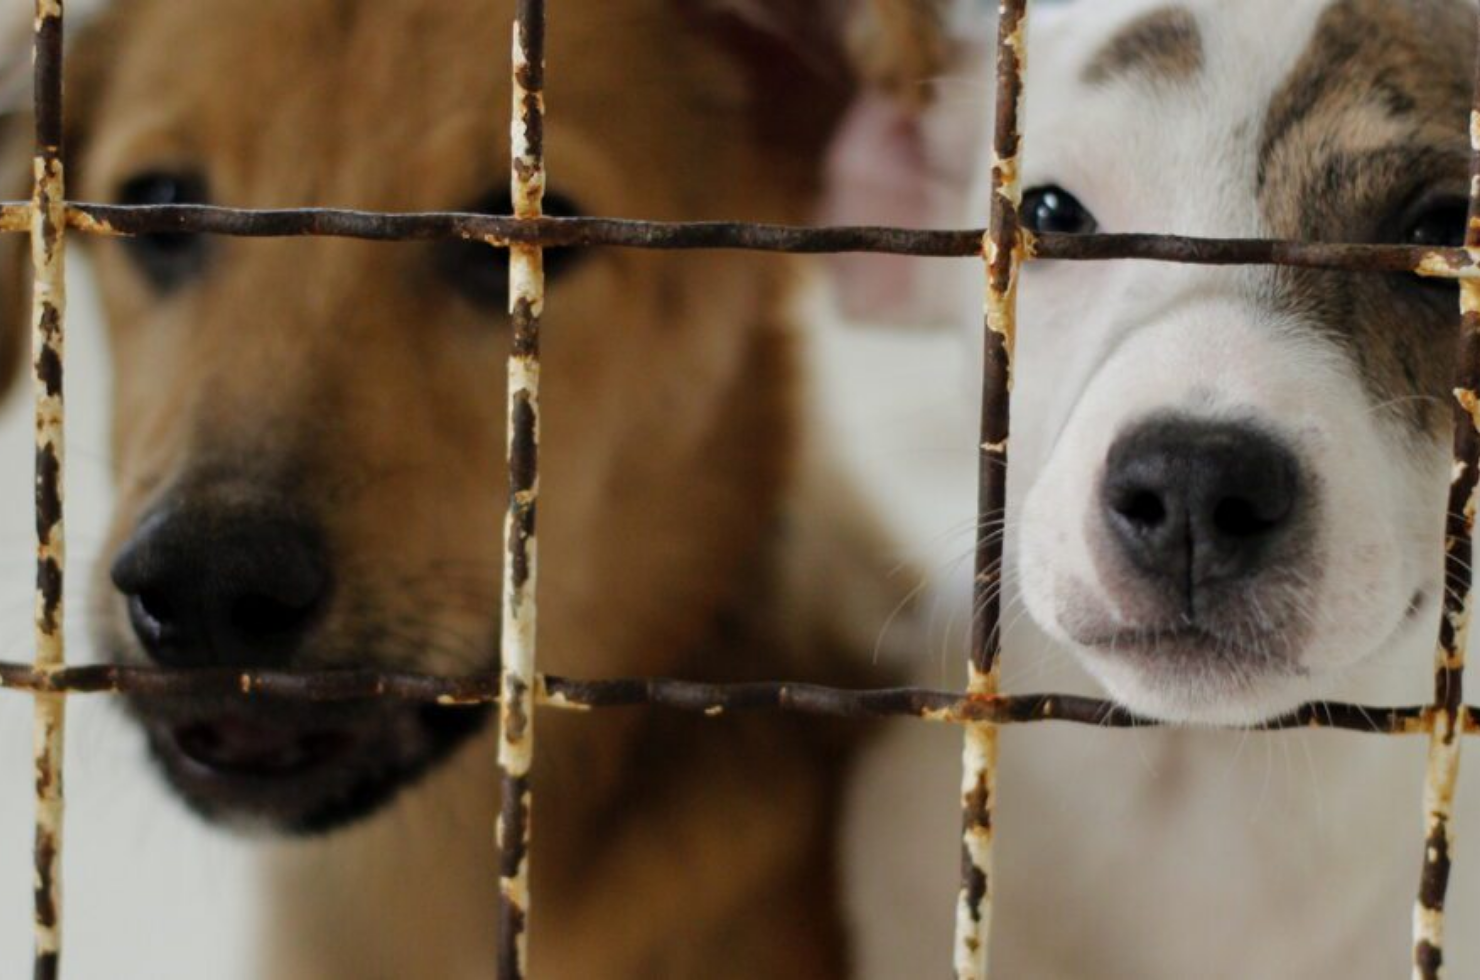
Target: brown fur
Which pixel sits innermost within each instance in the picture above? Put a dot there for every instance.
(1161, 46)
(349, 376)
(1365, 123)
(901, 46)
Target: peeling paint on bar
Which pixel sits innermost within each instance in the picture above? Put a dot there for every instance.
(47, 224)
(569, 694)
(1448, 720)
(974, 907)
(1439, 789)
(1004, 251)
(520, 682)
(504, 232)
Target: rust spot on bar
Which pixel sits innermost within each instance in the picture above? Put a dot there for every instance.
(1435, 880)
(516, 727)
(48, 489)
(49, 372)
(49, 598)
(46, 854)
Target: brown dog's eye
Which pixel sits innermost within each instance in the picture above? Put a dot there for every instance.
(481, 273)
(167, 260)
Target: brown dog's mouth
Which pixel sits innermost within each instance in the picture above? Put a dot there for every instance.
(240, 748)
(299, 768)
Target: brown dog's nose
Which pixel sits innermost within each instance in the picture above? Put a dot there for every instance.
(225, 587)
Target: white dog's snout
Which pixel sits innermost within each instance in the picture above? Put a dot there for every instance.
(1192, 507)
(1212, 522)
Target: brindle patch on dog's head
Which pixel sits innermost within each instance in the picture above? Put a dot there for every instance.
(1366, 132)
(1159, 47)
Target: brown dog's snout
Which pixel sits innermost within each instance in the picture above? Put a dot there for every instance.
(215, 583)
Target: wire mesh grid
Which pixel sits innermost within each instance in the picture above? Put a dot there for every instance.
(517, 687)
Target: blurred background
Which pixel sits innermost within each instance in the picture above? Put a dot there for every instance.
(149, 891)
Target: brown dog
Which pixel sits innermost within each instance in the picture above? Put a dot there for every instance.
(309, 456)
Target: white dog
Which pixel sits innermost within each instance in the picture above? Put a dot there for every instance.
(1228, 491)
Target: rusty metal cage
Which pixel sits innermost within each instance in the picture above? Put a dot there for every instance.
(518, 688)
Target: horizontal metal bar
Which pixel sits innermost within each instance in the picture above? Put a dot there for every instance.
(503, 231)
(1444, 263)
(711, 699)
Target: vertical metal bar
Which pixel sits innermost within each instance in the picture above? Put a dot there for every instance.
(48, 222)
(1004, 253)
(526, 301)
(1448, 715)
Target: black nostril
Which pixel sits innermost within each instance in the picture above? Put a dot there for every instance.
(149, 615)
(1190, 503)
(223, 579)
(1237, 517)
(1143, 509)
(155, 606)
(265, 617)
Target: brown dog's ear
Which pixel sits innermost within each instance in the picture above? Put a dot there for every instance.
(805, 59)
(899, 47)
(901, 157)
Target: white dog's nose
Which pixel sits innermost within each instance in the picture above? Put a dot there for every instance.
(1192, 503)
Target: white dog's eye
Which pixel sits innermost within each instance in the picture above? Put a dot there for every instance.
(1440, 224)
(1052, 209)
(1436, 222)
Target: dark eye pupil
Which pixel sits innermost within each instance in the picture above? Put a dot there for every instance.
(167, 259)
(481, 273)
(1440, 227)
(1054, 210)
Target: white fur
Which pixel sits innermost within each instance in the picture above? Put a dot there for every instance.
(1159, 854)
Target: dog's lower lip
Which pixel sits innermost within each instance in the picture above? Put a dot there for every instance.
(1167, 643)
(1134, 637)
(240, 748)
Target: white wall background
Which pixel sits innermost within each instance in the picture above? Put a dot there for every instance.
(150, 893)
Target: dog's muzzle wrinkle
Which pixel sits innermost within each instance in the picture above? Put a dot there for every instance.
(1192, 506)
